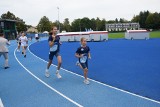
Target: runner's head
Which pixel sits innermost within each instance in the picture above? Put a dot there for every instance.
(83, 41)
(23, 34)
(54, 30)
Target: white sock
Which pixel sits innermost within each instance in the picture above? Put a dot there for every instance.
(57, 71)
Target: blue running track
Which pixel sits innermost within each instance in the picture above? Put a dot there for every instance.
(129, 65)
(24, 85)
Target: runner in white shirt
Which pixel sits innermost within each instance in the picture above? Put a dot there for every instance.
(3, 49)
(18, 42)
(24, 43)
(36, 37)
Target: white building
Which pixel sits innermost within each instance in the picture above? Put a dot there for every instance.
(122, 26)
(32, 30)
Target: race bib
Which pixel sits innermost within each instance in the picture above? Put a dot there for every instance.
(83, 59)
(54, 48)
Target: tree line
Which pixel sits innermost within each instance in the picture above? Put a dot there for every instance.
(146, 19)
(20, 24)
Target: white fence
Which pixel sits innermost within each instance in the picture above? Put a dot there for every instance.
(90, 36)
(136, 34)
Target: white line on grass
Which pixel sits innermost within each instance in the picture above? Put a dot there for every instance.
(1, 104)
(46, 83)
(98, 81)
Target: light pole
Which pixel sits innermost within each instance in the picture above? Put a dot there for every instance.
(58, 20)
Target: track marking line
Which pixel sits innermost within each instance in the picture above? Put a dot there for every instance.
(98, 81)
(53, 89)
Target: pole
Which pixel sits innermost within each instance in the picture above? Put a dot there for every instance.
(58, 20)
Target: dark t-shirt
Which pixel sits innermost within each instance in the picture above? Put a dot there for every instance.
(56, 45)
(84, 51)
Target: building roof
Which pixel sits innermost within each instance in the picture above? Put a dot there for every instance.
(9, 20)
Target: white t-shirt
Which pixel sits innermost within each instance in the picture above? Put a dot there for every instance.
(3, 44)
(24, 40)
(36, 35)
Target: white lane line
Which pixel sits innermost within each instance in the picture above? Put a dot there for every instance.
(46, 83)
(1, 104)
(99, 82)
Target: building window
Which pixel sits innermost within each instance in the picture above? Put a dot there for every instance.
(2, 25)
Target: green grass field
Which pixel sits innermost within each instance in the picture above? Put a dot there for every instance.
(115, 35)
(153, 34)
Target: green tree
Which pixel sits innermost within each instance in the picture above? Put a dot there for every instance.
(135, 18)
(153, 21)
(142, 18)
(44, 24)
(76, 25)
(21, 26)
(93, 24)
(122, 20)
(66, 25)
(98, 24)
(116, 20)
(81, 24)
(103, 25)
(8, 15)
(110, 21)
(85, 23)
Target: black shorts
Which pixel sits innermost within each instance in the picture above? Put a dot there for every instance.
(84, 65)
(37, 38)
(19, 43)
(52, 54)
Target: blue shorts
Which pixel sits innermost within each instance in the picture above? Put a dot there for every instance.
(84, 65)
(52, 54)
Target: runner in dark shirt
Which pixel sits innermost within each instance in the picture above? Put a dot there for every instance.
(83, 53)
(54, 44)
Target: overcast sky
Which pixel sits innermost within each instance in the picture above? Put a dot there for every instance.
(32, 10)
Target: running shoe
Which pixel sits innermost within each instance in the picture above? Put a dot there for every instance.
(6, 67)
(58, 75)
(86, 81)
(47, 73)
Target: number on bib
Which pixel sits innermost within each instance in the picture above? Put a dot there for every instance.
(54, 48)
(83, 59)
